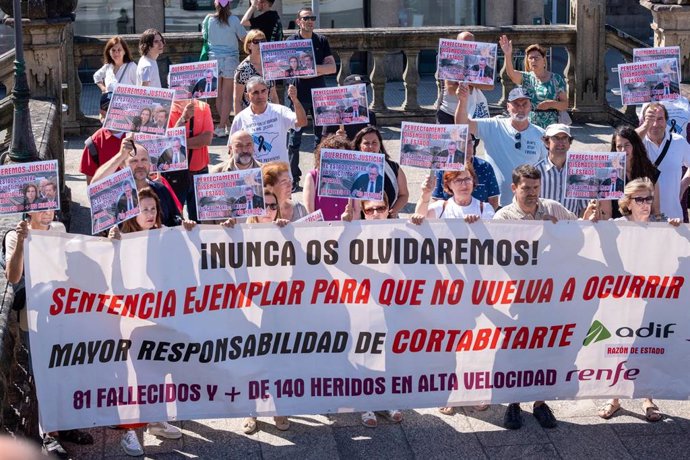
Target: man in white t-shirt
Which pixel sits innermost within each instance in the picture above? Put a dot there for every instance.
(151, 45)
(268, 123)
(509, 142)
(655, 136)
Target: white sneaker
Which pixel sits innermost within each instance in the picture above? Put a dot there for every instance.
(130, 444)
(164, 430)
(220, 132)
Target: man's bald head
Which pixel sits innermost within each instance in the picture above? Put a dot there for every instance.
(241, 148)
(466, 36)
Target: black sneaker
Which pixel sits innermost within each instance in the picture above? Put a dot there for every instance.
(52, 446)
(513, 417)
(544, 416)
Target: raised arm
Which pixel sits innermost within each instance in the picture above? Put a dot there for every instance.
(299, 109)
(507, 47)
(249, 14)
(116, 162)
(461, 117)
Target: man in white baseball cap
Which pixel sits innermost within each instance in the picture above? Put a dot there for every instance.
(557, 140)
(509, 141)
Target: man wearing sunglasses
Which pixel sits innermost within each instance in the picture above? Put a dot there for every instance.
(325, 65)
(509, 141)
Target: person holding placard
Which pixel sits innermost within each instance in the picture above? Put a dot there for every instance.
(118, 66)
(151, 45)
(547, 90)
(276, 176)
(325, 65)
(224, 31)
(251, 67)
(332, 208)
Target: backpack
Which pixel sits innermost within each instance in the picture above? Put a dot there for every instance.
(19, 301)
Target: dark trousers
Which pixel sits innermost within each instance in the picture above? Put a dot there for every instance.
(295, 142)
(442, 118)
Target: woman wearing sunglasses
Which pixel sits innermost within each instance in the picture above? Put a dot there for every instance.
(251, 67)
(636, 206)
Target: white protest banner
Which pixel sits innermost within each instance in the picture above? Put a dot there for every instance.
(287, 59)
(350, 174)
(197, 80)
(429, 146)
(316, 216)
(113, 200)
(167, 153)
(649, 81)
(229, 194)
(595, 175)
(343, 105)
(139, 109)
(661, 52)
(338, 317)
(471, 62)
(29, 187)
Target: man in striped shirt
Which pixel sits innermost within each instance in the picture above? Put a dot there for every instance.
(552, 168)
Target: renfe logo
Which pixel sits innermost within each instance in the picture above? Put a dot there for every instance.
(598, 332)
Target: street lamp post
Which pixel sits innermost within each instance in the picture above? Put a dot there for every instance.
(23, 147)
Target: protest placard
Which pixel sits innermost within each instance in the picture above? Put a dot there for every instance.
(343, 105)
(197, 80)
(595, 175)
(316, 216)
(433, 146)
(29, 187)
(661, 52)
(471, 62)
(113, 200)
(349, 316)
(229, 194)
(287, 59)
(649, 81)
(139, 109)
(167, 153)
(350, 174)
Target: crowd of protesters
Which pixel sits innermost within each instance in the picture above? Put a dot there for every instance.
(521, 176)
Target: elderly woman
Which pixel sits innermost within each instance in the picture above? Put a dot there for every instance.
(118, 66)
(251, 67)
(277, 179)
(461, 204)
(332, 208)
(636, 206)
(150, 218)
(546, 89)
(395, 182)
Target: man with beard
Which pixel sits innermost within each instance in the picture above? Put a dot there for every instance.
(135, 157)
(241, 151)
(509, 142)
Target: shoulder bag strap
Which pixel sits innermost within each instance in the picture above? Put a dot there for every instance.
(663, 152)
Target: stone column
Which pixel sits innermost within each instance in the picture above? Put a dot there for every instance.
(671, 26)
(149, 14)
(590, 72)
(500, 13)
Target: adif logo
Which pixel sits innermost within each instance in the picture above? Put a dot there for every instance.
(597, 332)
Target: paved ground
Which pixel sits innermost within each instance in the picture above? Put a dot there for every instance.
(424, 433)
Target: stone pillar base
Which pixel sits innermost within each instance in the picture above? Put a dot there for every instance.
(671, 26)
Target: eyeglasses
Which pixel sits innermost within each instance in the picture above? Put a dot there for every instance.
(463, 181)
(271, 206)
(518, 144)
(256, 41)
(379, 209)
(643, 199)
(308, 18)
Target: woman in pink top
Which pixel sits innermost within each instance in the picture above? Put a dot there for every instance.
(332, 208)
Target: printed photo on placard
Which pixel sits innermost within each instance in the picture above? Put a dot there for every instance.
(595, 175)
(342, 105)
(471, 62)
(139, 109)
(198, 80)
(287, 59)
(661, 52)
(429, 146)
(349, 174)
(113, 200)
(649, 81)
(229, 194)
(167, 153)
(29, 187)
(316, 216)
